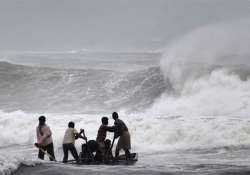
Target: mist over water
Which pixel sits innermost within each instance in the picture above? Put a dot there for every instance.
(206, 49)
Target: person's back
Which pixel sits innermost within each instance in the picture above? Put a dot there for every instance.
(102, 131)
(44, 135)
(69, 136)
(101, 136)
(121, 126)
(123, 134)
(69, 142)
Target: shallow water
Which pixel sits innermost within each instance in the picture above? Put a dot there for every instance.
(201, 162)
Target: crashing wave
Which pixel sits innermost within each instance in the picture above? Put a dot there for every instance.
(77, 90)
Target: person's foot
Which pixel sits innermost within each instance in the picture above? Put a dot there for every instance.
(127, 155)
(78, 161)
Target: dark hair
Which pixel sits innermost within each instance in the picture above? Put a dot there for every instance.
(42, 119)
(107, 142)
(115, 115)
(105, 120)
(71, 124)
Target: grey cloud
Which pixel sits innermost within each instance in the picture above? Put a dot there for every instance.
(107, 24)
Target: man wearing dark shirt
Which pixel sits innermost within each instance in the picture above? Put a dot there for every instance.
(121, 131)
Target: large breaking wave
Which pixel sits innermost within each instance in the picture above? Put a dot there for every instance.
(209, 70)
(38, 89)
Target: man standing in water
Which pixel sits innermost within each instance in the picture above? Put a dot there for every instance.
(44, 139)
(123, 134)
(70, 136)
(100, 139)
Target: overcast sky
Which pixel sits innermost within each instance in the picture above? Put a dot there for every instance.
(50, 25)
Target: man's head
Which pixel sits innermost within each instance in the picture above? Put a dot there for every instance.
(105, 120)
(71, 124)
(42, 120)
(107, 143)
(115, 115)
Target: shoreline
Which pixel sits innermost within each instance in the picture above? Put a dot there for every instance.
(66, 169)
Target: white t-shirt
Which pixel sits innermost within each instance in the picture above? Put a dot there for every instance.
(69, 136)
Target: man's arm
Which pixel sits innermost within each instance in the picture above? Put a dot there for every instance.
(76, 134)
(82, 134)
(79, 135)
(110, 128)
(114, 129)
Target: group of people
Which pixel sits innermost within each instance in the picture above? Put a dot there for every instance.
(101, 146)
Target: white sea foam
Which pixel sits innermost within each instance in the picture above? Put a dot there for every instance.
(148, 133)
(220, 93)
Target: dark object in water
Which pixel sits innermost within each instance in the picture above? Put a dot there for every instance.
(120, 160)
(87, 156)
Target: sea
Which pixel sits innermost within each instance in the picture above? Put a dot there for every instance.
(187, 107)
